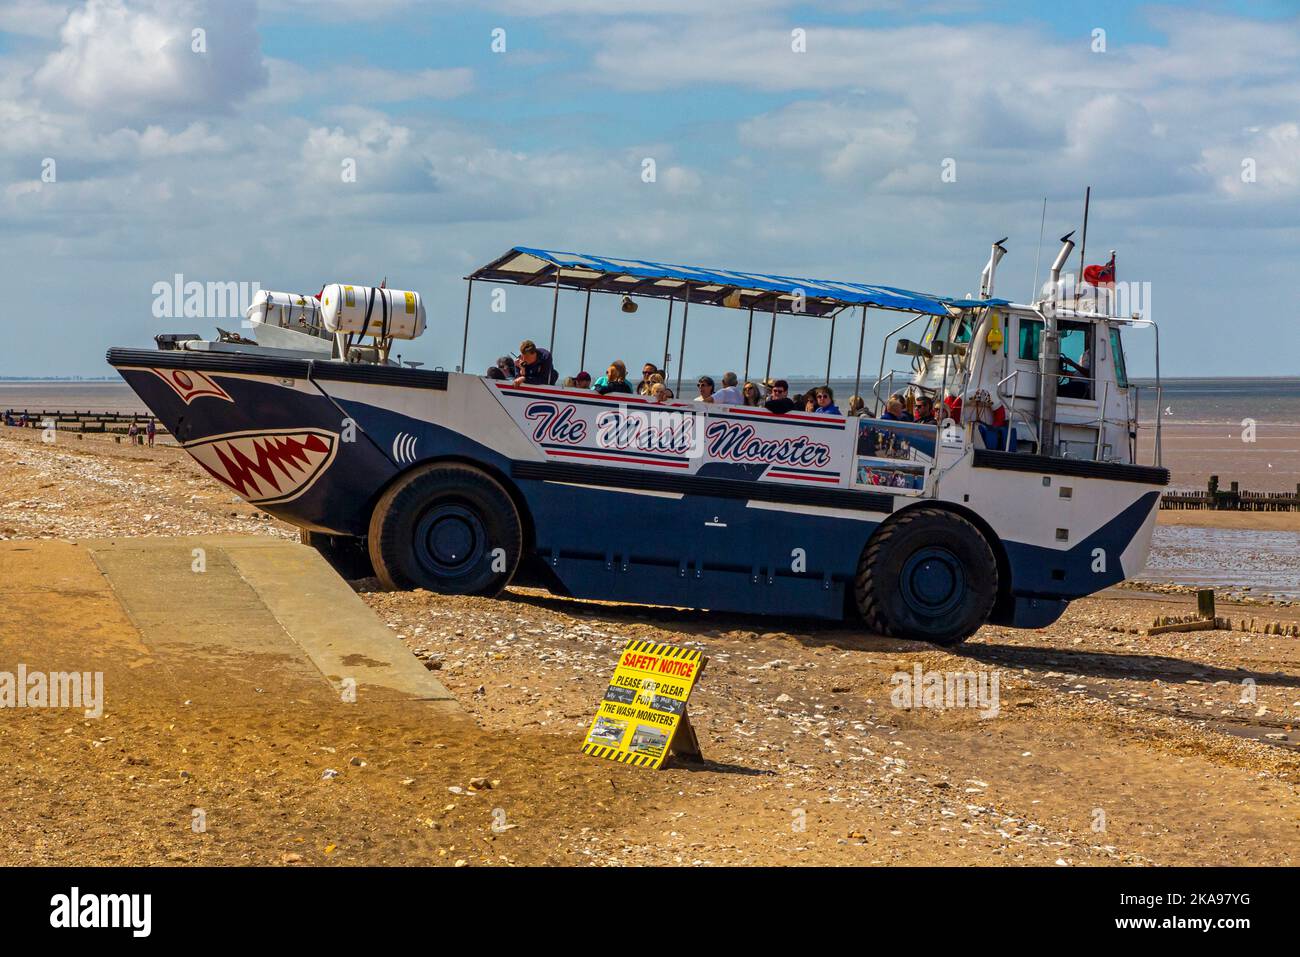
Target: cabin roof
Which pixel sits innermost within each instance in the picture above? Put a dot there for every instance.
(525, 265)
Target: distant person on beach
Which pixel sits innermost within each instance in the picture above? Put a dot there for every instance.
(151, 430)
(133, 433)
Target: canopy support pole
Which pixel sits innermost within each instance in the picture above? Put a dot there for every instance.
(771, 339)
(749, 338)
(555, 309)
(586, 314)
(831, 348)
(464, 343)
(862, 337)
(681, 350)
(668, 333)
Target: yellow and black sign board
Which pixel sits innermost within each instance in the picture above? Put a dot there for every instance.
(643, 714)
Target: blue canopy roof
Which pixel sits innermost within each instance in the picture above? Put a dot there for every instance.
(719, 287)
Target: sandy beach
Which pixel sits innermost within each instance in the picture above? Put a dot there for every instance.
(796, 722)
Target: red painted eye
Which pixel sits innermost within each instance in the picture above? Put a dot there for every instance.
(182, 380)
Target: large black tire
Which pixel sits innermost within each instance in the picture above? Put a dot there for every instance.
(927, 575)
(346, 554)
(440, 527)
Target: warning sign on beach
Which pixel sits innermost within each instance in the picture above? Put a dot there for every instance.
(643, 714)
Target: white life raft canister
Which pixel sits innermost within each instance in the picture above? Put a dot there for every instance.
(387, 313)
(287, 310)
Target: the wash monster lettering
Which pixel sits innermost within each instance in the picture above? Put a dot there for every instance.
(555, 423)
(671, 432)
(740, 444)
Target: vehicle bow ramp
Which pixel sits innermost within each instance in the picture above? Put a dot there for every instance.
(223, 621)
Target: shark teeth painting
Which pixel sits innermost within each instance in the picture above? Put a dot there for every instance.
(264, 468)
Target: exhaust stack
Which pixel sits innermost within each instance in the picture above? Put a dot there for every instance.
(1054, 277)
(986, 277)
(1049, 358)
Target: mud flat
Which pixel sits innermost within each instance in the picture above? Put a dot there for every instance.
(1106, 747)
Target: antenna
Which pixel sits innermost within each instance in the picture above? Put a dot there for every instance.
(1083, 245)
(1038, 259)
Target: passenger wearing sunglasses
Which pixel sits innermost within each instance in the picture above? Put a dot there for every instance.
(779, 401)
(825, 402)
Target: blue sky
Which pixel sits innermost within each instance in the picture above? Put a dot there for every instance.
(224, 165)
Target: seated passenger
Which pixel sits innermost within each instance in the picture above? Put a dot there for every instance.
(808, 400)
(951, 408)
(537, 365)
(582, 380)
(614, 379)
(705, 386)
(730, 393)
(647, 370)
(507, 367)
(857, 405)
(990, 419)
(779, 402)
(925, 410)
(753, 395)
(494, 372)
(895, 410)
(824, 401)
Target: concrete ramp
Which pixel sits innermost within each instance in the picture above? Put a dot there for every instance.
(229, 622)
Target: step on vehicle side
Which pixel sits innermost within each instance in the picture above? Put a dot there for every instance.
(1023, 497)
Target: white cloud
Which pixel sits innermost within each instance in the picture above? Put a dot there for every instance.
(123, 61)
(33, 18)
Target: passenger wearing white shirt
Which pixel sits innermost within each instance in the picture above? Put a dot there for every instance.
(730, 393)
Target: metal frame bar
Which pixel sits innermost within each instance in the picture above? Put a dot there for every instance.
(681, 350)
(586, 314)
(771, 339)
(830, 350)
(464, 342)
(668, 335)
(862, 338)
(749, 340)
(555, 311)
(884, 346)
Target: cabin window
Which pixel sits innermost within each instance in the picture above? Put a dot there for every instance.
(1117, 350)
(1031, 338)
(965, 330)
(948, 329)
(1076, 360)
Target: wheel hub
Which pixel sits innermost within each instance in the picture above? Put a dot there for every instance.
(933, 582)
(450, 538)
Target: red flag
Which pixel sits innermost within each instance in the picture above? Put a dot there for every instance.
(1101, 275)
